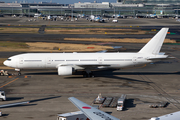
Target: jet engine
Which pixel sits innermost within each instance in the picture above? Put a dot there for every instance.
(65, 70)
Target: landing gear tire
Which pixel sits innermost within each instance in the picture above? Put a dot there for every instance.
(85, 74)
(19, 74)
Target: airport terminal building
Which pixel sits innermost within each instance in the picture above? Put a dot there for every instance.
(123, 7)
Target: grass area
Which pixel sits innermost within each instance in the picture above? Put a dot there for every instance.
(25, 25)
(49, 47)
(124, 40)
(64, 47)
(92, 31)
(14, 45)
(18, 30)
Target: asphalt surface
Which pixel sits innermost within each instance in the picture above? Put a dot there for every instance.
(83, 21)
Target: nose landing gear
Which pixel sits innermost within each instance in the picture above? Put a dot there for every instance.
(19, 71)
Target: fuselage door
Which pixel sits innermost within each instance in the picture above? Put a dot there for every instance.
(20, 60)
(48, 61)
(100, 60)
(134, 59)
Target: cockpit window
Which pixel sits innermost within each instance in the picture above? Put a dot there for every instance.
(8, 59)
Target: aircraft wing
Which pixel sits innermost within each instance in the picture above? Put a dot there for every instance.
(171, 116)
(84, 66)
(13, 104)
(91, 112)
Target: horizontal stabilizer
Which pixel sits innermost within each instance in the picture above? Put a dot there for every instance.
(167, 58)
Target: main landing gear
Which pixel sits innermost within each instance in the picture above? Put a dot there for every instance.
(87, 74)
(19, 71)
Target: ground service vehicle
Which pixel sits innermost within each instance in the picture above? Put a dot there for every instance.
(120, 102)
(2, 96)
(72, 116)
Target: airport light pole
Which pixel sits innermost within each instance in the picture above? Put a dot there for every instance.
(72, 15)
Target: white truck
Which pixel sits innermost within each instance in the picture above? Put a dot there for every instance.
(115, 21)
(2, 96)
(120, 102)
(79, 115)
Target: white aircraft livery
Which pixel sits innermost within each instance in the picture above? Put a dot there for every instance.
(67, 63)
(91, 112)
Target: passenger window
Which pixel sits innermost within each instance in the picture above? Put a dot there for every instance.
(8, 59)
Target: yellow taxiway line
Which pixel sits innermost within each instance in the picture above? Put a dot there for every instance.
(9, 82)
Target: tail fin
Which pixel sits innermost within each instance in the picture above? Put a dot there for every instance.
(154, 45)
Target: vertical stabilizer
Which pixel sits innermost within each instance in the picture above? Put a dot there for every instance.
(155, 44)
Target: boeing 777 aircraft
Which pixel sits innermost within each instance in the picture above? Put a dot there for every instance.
(67, 63)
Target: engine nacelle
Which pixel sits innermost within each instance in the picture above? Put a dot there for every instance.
(65, 70)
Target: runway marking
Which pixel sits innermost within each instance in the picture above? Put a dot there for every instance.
(9, 82)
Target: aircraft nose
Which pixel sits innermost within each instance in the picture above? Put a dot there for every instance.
(5, 63)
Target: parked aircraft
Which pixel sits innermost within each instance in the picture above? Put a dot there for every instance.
(91, 112)
(95, 114)
(81, 16)
(171, 116)
(151, 15)
(117, 16)
(93, 18)
(67, 63)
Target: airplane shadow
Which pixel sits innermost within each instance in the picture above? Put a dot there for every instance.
(36, 100)
(109, 74)
(42, 73)
(32, 101)
(19, 106)
(109, 113)
(13, 98)
(4, 115)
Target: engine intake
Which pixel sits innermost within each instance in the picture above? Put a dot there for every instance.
(65, 70)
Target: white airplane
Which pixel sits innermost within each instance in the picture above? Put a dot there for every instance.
(151, 15)
(95, 114)
(91, 112)
(93, 18)
(171, 116)
(67, 63)
(12, 104)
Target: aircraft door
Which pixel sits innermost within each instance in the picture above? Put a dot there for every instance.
(20, 60)
(48, 61)
(100, 60)
(134, 59)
